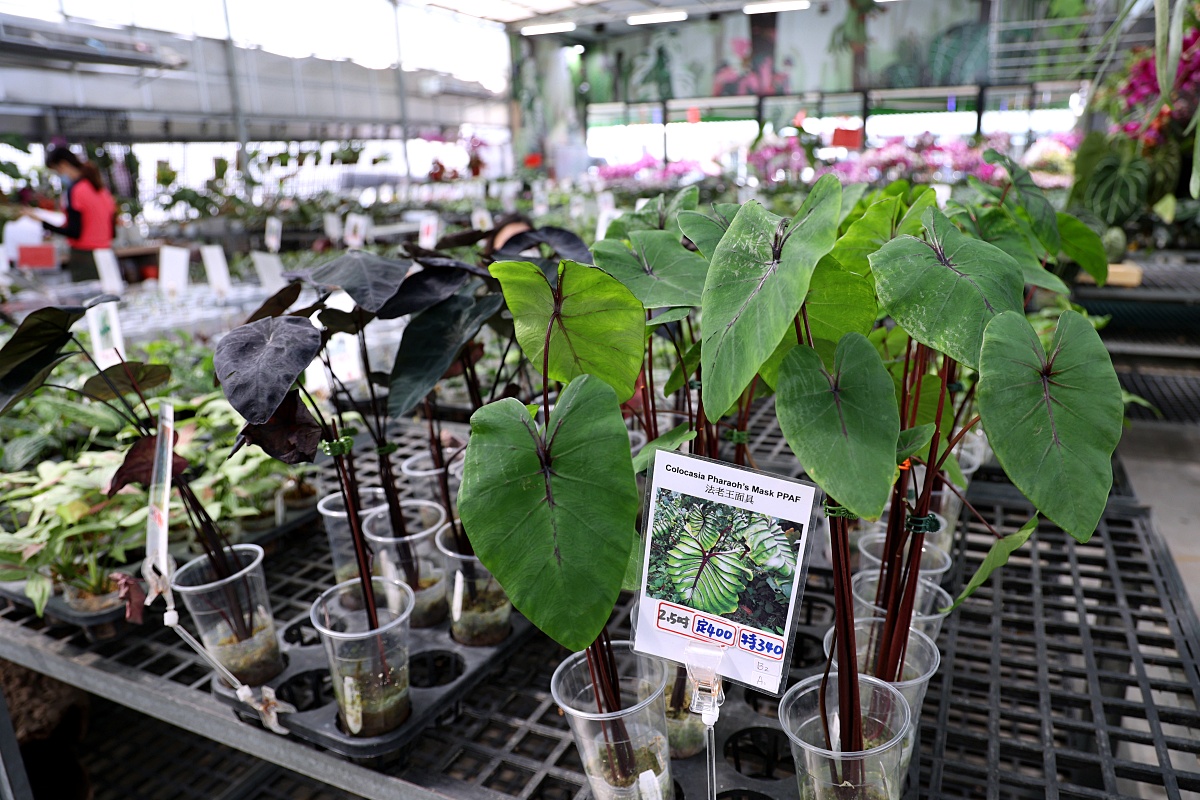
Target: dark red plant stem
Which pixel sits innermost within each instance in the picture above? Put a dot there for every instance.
(500, 370)
(962, 406)
(650, 381)
(807, 327)
(850, 711)
(955, 440)
(350, 493)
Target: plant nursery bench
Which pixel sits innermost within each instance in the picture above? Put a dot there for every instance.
(1073, 673)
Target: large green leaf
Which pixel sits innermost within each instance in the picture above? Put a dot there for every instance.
(768, 547)
(913, 220)
(997, 557)
(945, 290)
(707, 571)
(756, 282)
(553, 517)
(851, 194)
(666, 441)
(683, 370)
(869, 232)
(127, 378)
(1084, 247)
(704, 231)
(839, 301)
(997, 227)
(659, 270)
(430, 345)
(595, 325)
(659, 214)
(913, 441)
(1033, 200)
(369, 279)
(1053, 416)
(843, 427)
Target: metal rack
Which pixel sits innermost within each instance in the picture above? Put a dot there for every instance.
(1074, 673)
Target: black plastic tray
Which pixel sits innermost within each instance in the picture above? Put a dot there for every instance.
(96, 625)
(440, 671)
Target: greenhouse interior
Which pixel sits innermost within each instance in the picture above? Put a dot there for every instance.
(599, 399)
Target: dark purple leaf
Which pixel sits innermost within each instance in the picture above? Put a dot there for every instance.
(138, 466)
(430, 258)
(128, 378)
(431, 343)
(36, 343)
(290, 435)
(20, 383)
(566, 245)
(258, 363)
(366, 277)
(424, 290)
(462, 239)
(277, 304)
(337, 321)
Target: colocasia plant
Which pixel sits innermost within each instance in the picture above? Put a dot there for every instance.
(260, 365)
(887, 329)
(27, 361)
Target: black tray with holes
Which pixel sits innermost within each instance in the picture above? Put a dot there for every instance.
(97, 625)
(440, 671)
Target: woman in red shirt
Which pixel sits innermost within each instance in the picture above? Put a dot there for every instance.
(91, 213)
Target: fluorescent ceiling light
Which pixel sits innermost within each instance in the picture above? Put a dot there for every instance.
(578, 49)
(651, 19)
(776, 5)
(552, 27)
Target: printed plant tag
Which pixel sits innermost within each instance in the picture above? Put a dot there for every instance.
(270, 271)
(427, 234)
(273, 235)
(104, 326)
(723, 565)
(481, 219)
(217, 269)
(173, 265)
(357, 228)
(110, 272)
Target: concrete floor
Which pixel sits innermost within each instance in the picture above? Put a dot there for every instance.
(1163, 463)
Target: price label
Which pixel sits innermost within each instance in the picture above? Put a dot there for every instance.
(697, 588)
(427, 236)
(217, 269)
(110, 271)
(173, 270)
(273, 236)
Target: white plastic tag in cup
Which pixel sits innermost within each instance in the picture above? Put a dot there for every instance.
(173, 270)
(217, 270)
(104, 326)
(357, 230)
(481, 219)
(273, 234)
(270, 271)
(333, 226)
(110, 271)
(427, 235)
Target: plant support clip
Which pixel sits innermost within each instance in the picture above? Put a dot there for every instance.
(702, 661)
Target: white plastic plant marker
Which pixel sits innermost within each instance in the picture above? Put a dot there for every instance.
(576, 207)
(712, 528)
(427, 233)
(606, 202)
(357, 230)
(604, 220)
(104, 326)
(109, 270)
(541, 199)
(270, 271)
(481, 219)
(333, 227)
(217, 269)
(173, 271)
(158, 567)
(273, 234)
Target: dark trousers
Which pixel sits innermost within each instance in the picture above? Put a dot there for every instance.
(82, 266)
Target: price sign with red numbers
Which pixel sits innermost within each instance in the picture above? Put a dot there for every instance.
(723, 565)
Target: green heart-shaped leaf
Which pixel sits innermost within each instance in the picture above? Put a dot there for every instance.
(704, 231)
(867, 234)
(945, 290)
(757, 280)
(843, 426)
(1041, 211)
(594, 325)
(531, 507)
(1084, 247)
(658, 269)
(1052, 416)
(997, 557)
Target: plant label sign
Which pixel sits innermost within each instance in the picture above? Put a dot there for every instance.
(723, 565)
(273, 235)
